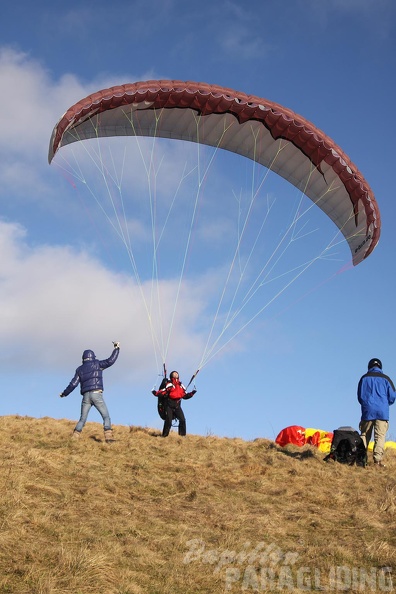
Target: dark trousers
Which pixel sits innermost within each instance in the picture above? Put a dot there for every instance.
(174, 411)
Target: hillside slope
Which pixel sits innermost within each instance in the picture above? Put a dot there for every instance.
(186, 515)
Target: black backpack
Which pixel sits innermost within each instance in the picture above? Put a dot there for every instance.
(347, 447)
(162, 404)
(162, 400)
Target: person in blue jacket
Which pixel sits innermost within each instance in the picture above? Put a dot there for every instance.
(376, 393)
(90, 377)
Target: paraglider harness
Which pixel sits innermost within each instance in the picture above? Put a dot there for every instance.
(347, 447)
(162, 405)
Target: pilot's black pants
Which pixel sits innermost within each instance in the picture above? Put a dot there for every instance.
(174, 411)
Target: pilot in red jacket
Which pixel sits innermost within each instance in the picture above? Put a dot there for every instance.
(174, 392)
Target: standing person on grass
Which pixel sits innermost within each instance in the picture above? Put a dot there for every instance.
(90, 377)
(175, 392)
(376, 393)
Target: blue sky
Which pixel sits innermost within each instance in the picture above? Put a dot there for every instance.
(61, 291)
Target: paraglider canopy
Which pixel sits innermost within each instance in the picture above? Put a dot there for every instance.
(300, 436)
(257, 128)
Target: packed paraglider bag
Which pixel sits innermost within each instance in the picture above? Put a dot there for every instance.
(347, 447)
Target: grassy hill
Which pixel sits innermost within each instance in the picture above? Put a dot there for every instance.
(186, 515)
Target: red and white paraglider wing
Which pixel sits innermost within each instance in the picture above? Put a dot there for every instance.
(256, 128)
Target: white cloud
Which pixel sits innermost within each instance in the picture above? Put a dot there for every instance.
(30, 103)
(55, 301)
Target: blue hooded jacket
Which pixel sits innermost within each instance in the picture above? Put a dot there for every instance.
(89, 374)
(376, 393)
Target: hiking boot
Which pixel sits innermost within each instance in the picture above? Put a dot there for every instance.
(109, 436)
(76, 434)
(380, 464)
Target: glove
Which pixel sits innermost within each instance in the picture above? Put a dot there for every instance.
(62, 395)
(154, 393)
(189, 395)
(116, 345)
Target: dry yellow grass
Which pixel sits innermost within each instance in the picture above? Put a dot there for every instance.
(193, 515)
